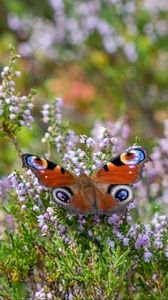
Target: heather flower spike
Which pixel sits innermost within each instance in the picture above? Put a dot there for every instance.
(15, 110)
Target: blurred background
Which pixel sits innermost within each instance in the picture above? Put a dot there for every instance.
(108, 60)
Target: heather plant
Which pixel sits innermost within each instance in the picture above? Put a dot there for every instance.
(47, 253)
(15, 109)
(75, 24)
(120, 46)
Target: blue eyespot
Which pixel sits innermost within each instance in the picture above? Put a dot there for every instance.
(140, 155)
(121, 195)
(62, 195)
(133, 157)
(121, 192)
(35, 162)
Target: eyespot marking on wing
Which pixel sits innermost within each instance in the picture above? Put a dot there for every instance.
(36, 162)
(62, 195)
(122, 193)
(133, 157)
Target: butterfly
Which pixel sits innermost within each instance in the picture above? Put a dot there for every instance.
(109, 189)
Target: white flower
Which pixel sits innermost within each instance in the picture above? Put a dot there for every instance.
(12, 116)
(50, 210)
(7, 100)
(83, 139)
(18, 74)
(90, 142)
(6, 69)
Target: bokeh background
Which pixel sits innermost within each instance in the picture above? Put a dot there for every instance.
(108, 60)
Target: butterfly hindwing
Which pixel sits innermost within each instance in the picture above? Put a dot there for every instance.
(48, 173)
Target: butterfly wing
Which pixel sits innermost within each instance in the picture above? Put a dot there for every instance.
(112, 198)
(125, 168)
(48, 173)
(66, 188)
(113, 181)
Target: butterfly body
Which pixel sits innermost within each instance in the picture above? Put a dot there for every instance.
(107, 190)
(92, 195)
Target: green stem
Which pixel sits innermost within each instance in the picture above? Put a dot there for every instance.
(17, 146)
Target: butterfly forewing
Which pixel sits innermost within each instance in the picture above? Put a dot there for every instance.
(49, 173)
(125, 168)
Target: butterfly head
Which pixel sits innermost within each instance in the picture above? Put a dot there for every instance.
(84, 181)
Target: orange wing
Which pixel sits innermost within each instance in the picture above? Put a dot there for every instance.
(48, 173)
(125, 168)
(106, 203)
(85, 203)
(91, 199)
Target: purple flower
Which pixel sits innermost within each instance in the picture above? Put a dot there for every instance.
(81, 227)
(143, 240)
(45, 228)
(126, 241)
(40, 295)
(133, 230)
(50, 296)
(166, 251)
(158, 244)
(147, 256)
(97, 219)
(129, 218)
(135, 264)
(90, 142)
(130, 206)
(114, 219)
(118, 234)
(23, 207)
(90, 233)
(68, 240)
(110, 243)
(5, 187)
(41, 220)
(16, 107)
